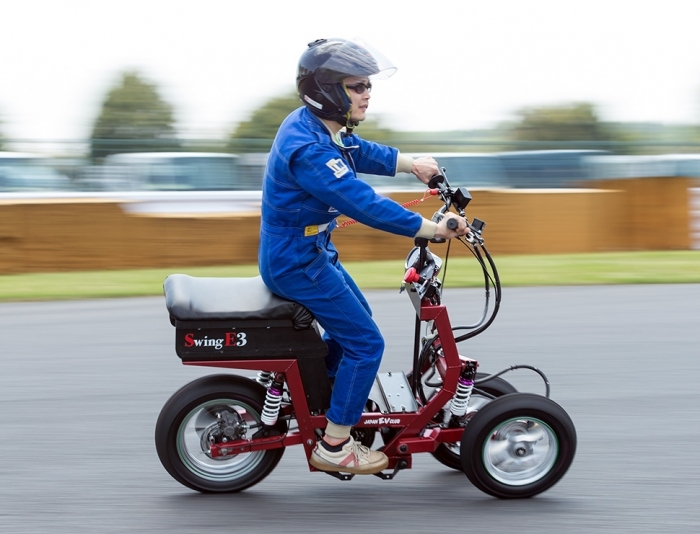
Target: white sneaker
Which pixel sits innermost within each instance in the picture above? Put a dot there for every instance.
(351, 457)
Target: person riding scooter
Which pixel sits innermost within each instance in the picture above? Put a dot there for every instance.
(310, 179)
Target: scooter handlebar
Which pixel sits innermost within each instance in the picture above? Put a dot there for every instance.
(437, 182)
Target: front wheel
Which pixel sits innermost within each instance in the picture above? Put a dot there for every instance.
(518, 446)
(448, 454)
(214, 409)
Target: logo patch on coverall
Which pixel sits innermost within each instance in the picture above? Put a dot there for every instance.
(338, 167)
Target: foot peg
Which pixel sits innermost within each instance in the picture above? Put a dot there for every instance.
(401, 464)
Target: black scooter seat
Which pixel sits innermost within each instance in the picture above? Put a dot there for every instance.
(190, 298)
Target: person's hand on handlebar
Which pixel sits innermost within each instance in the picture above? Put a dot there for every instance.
(448, 230)
(425, 168)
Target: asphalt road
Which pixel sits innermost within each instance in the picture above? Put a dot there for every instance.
(82, 384)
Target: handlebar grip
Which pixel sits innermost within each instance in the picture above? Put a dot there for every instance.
(452, 223)
(436, 181)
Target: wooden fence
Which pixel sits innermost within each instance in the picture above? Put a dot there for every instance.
(94, 234)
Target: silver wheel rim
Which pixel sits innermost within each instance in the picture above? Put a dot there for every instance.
(192, 444)
(520, 451)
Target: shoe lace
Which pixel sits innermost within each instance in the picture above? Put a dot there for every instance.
(361, 452)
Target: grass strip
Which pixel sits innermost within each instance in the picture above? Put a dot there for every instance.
(532, 270)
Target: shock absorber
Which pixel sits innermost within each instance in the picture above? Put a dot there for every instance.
(273, 400)
(264, 378)
(465, 385)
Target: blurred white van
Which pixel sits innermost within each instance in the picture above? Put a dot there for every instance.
(171, 171)
(22, 172)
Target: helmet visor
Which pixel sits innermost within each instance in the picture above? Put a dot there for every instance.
(337, 59)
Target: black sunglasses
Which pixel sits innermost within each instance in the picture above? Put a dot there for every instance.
(360, 88)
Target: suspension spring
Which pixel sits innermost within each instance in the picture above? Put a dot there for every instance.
(460, 401)
(264, 378)
(273, 400)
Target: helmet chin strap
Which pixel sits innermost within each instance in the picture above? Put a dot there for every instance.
(350, 125)
(346, 121)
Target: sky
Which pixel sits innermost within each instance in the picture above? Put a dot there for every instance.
(462, 64)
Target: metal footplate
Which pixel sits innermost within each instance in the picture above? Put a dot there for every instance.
(401, 464)
(391, 392)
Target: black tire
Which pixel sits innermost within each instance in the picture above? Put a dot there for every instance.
(189, 418)
(448, 454)
(518, 446)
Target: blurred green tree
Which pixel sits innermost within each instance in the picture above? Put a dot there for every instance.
(257, 132)
(265, 120)
(372, 130)
(566, 126)
(134, 117)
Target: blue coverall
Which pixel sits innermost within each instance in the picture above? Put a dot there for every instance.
(310, 180)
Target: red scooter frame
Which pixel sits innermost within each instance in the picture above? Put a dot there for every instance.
(409, 439)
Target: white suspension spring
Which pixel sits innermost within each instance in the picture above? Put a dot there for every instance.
(264, 378)
(271, 409)
(459, 403)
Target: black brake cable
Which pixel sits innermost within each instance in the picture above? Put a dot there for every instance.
(487, 277)
(475, 252)
(497, 304)
(481, 325)
(444, 271)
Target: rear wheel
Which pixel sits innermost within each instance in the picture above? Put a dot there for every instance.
(214, 409)
(518, 446)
